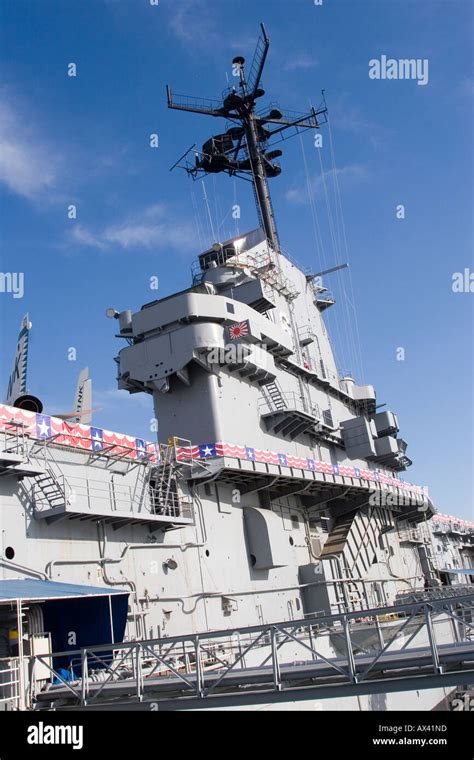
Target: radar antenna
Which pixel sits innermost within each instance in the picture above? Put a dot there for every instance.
(246, 149)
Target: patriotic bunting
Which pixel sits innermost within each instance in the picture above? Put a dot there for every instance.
(46, 428)
(214, 450)
(453, 521)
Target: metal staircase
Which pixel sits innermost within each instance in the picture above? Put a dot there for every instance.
(263, 265)
(165, 495)
(52, 484)
(365, 540)
(52, 489)
(289, 414)
(354, 540)
(274, 395)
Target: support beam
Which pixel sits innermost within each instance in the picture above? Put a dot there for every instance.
(322, 498)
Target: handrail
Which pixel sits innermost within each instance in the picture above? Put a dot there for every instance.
(293, 401)
(10, 681)
(185, 657)
(339, 617)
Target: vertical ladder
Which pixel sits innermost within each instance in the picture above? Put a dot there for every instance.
(164, 494)
(14, 438)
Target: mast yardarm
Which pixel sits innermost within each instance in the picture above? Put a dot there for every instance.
(246, 149)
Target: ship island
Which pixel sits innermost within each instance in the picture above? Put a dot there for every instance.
(269, 550)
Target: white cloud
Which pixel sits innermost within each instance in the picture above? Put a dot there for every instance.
(346, 176)
(193, 23)
(302, 61)
(112, 397)
(154, 228)
(346, 116)
(28, 165)
(85, 237)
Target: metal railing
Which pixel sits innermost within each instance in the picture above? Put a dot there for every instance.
(264, 266)
(13, 438)
(451, 527)
(89, 493)
(165, 496)
(410, 535)
(175, 506)
(306, 334)
(190, 101)
(318, 366)
(256, 663)
(10, 682)
(294, 402)
(435, 593)
(41, 500)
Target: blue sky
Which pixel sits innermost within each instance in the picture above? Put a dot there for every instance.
(85, 141)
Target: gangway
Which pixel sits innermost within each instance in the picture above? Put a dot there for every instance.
(378, 650)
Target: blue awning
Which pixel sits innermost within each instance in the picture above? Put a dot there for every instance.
(32, 590)
(97, 615)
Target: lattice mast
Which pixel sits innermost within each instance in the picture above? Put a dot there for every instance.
(246, 149)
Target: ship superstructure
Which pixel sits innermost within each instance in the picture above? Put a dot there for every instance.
(275, 496)
(249, 342)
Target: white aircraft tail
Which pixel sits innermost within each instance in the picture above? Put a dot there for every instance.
(17, 393)
(83, 398)
(17, 380)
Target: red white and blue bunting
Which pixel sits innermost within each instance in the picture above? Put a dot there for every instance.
(214, 450)
(452, 521)
(86, 437)
(93, 439)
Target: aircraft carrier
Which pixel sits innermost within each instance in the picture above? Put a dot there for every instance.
(268, 550)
